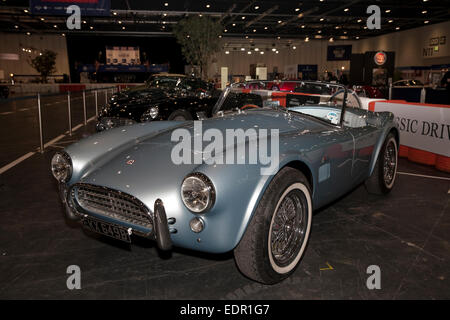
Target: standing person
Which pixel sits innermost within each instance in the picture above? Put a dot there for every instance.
(445, 82)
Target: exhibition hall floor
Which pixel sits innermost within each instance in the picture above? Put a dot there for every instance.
(405, 234)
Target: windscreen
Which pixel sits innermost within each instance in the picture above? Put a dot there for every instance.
(323, 101)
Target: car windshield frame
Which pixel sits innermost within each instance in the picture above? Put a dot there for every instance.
(241, 86)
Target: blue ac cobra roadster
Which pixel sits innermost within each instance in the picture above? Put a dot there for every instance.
(246, 180)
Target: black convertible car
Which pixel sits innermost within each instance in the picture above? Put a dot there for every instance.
(152, 104)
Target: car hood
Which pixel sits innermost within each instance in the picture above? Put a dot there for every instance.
(145, 169)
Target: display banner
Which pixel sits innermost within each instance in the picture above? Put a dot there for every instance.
(59, 7)
(307, 71)
(422, 126)
(338, 53)
(154, 68)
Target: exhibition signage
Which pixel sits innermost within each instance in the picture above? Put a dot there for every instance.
(154, 68)
(338, 53)
(422, 126)
(122, 55)
(59, 7)
(380, 58)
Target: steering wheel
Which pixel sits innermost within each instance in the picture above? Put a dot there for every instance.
(248, 106)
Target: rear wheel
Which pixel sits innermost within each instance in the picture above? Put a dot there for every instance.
(383, 177)
(278, 233)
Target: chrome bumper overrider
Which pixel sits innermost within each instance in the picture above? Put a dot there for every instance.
(159, 230)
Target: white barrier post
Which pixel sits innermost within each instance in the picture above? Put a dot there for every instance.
(70, 114)
(84, 107)
(390, 91)
(96, 103)
(40, 123)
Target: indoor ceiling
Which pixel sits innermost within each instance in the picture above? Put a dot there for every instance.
(314, 19)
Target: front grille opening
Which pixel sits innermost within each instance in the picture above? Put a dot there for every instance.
(113, 204)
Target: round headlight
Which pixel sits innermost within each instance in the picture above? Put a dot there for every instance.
(197, 193)
(150, 114)
(62, 167)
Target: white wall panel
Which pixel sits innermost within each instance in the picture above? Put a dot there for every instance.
(13, 43)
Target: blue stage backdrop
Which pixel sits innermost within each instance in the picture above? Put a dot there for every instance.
(338, 53)
(58, 7)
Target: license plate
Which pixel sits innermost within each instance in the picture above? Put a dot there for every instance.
(107, 229)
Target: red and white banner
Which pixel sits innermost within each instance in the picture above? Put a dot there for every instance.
(422, 126)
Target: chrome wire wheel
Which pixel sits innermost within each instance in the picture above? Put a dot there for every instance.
(288, 229)
(390, 163)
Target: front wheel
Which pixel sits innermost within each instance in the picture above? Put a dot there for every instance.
(278, 233)
(383, 177)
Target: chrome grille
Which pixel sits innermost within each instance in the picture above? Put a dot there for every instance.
(113, 204)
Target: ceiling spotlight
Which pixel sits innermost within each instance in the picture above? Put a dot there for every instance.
(388, 11)
(25, 10)
(227, 52)
(426, 22)
(225, 30)
(254, 30)
(208, 6)
(256, 7)
(63, 34)
(166, 4)
(28, 33)
(115, 13)
(306, 39)
(42, 19)
(424, 11)
(390, 21)
(262, 52)
(274, 49)
(16, 26)
(357, 38)
(243, 18)
(249, 52)
(279, 21)
(278, 38)
(123, 28)
(256, 49)
(303, 26)
(359, 20)
(398, 28)
(297, 9)
(242, 49)
(277, 52)
(331, 40)
(119, 22)
(265, 28)
(91, 27)
(294, 47)
(234, 24)
(165, 14)
(321, 19)
(346, 9)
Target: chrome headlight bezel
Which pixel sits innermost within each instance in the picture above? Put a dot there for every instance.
(150, 114)
(62, 167)
(199, 181)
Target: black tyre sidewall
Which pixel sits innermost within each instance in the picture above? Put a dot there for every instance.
(183, 113)
(265, 211)
(383, 186)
